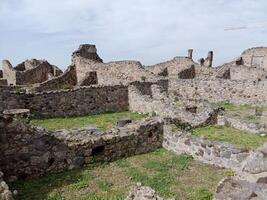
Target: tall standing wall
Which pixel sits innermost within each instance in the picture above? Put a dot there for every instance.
(220, 90)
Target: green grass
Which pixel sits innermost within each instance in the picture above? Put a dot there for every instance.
(170, 175)
(252, 118)
(231, 135)
(102, 121)
(233, 107)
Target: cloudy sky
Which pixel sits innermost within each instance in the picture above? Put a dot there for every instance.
(147, 30)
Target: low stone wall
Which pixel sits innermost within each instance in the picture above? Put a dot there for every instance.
(214, 153)
(155, 100)
(220, 90)
(30, 151)
(234, 188)
(79, 101)
(5, 193)
(237, 123)
(248, 165)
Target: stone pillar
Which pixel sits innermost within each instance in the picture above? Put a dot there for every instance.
(210, 59)
(190, 53)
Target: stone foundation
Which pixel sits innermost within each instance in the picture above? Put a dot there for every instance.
(237, 123)
(30, 151)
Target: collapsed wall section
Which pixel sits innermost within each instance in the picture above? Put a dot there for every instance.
(63, 81)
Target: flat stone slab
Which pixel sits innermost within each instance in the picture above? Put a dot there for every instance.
(122, 122)
(16, 111)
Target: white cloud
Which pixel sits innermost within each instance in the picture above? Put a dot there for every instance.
(148, 30)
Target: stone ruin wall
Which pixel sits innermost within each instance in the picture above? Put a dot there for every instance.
(66, 80)
(9, 73)
(79, 101)
(241, 72)
(38, 74)
(215, 90)
(30, 151)
(112, 73)
(248, 165)
(29, 72)
(258, 51)
(210, 152)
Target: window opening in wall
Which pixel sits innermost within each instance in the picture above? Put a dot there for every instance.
(98, 151)
(257, 61)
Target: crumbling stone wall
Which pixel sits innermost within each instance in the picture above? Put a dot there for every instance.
(242, 72)
(66, 80)
(220, 90)
(41, 73)
(156, 101)
(79, 101)
(86, 59)
(173, 67)
(235, 122)
(210, 152)
(189, 73)
(8, 72)
(259, 53)
(29, 72)
(29, 151)
(90, 79)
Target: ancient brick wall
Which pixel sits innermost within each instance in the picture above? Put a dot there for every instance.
(220, 90)
(28, 151)
(79, 101)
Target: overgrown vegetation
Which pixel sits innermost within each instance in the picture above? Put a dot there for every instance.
(231, 135)
(170, 175)
(101, 121)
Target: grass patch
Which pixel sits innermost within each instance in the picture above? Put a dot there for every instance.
(242, 111)
(252, 118)
(231, 135)
(102, 121)
(170, 175)
(233, 107)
